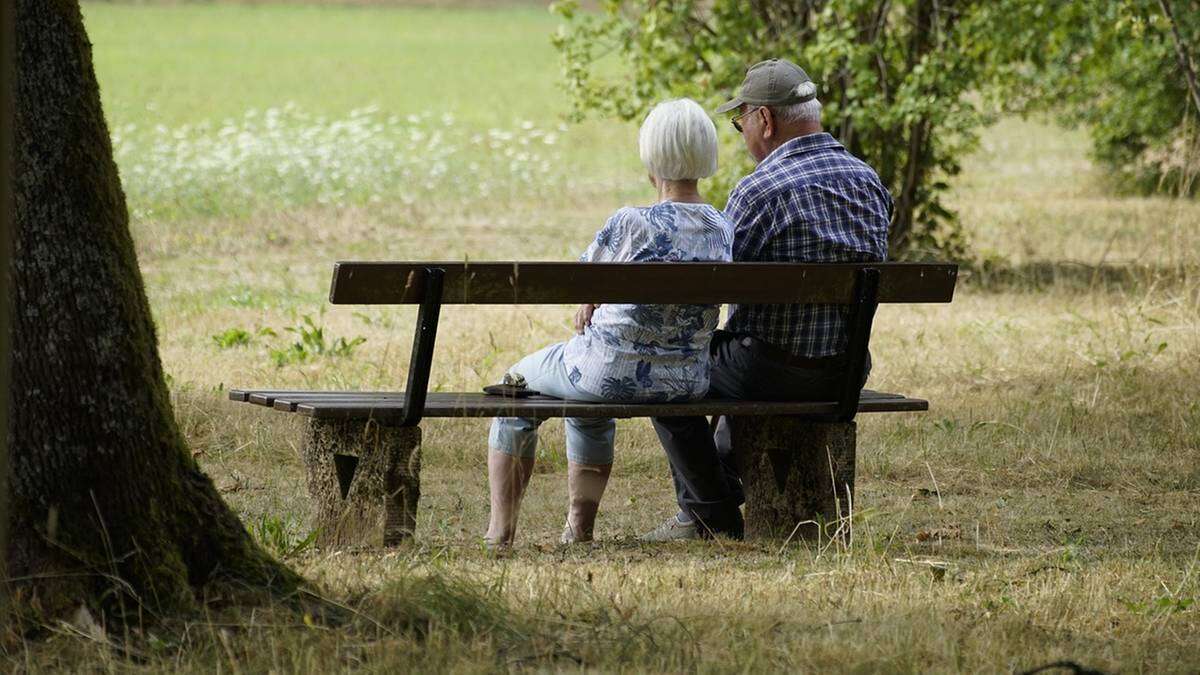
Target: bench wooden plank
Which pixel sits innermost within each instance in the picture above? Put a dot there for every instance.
(480, 405)
(266, 397)
(488, 283)
(243, 395)
(388, 406)
(288, 400)
(269, 399)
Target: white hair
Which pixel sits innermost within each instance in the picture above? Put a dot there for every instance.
(809, 111)
(678, 141)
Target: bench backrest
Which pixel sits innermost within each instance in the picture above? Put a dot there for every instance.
(487, 283)
(431, 284)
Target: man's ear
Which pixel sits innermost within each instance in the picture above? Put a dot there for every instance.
(653, 180)
(768, 122)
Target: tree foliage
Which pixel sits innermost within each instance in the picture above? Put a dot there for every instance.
(898, 80)
(1127, 70)
(907, 84)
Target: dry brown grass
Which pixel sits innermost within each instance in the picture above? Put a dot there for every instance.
(1045, 508)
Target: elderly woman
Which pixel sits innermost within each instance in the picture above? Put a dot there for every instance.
(623, 352)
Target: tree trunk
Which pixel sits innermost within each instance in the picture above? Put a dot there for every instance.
(1182, 54)
(924, 27)
(916, 164)
(108, 506)
(6, 209)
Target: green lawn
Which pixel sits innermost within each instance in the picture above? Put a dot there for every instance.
(1047, 506)
(227, 110)
(186, 63)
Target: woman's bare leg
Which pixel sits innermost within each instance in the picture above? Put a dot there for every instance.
(585, 489)
(507, 477)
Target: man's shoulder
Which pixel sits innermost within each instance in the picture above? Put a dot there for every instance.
(833, 162)
(759, 186)
(794, 174)
(792, 171)
(846, 164)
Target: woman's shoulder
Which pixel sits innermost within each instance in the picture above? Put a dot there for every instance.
(666, 215)
(671, 214)
(622, 227)
(635, 214)
(625, 217)
(704, 212)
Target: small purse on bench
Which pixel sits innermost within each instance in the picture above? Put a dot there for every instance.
(513, 386)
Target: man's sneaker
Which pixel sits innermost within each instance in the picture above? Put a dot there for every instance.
(672, 529)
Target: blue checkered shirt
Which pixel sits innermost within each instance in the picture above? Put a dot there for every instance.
(809, 201)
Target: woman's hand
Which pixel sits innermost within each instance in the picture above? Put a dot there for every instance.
(583, 316)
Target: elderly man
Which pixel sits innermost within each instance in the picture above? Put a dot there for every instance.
(808, 200)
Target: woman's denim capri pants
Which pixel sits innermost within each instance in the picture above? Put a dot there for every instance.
(589, 440)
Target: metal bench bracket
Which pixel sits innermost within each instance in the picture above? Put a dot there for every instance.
(862, 314)
(422, 350)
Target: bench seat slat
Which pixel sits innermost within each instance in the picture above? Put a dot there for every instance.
(489, 283)
(267, 397)
(244, 395)
(388, 406)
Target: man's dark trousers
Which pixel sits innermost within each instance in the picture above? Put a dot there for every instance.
(702, 463)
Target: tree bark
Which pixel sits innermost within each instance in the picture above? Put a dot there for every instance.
(1182, 54)
(108, 506)
(916, 160)
(7, 73)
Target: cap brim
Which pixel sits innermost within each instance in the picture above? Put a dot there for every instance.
(729, 105)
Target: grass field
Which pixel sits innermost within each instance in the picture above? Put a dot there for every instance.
(1047, 507)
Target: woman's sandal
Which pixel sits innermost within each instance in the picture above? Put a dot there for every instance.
(513, 386)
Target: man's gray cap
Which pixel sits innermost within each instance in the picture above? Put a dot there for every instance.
(773, 82)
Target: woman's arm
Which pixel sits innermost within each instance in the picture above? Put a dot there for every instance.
(615, 242)
(618, 240)
(583, 316)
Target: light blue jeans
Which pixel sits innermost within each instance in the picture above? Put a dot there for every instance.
(589, 440)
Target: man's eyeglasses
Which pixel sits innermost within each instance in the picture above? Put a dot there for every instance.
(738, 125)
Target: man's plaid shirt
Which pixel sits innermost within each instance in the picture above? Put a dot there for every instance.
(809, 201)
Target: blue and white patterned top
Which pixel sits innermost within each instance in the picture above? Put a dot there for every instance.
(808, 201)
(651, 352)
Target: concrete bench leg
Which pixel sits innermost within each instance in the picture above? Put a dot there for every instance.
(795, 470)
(365, 480)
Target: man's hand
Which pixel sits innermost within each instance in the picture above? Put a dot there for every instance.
(583, 316)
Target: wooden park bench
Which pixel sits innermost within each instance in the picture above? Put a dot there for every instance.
(362, 449)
